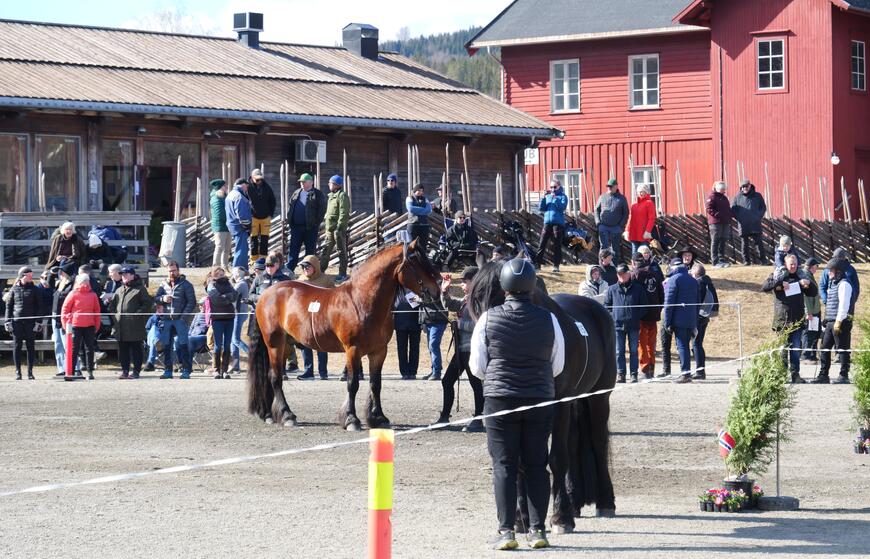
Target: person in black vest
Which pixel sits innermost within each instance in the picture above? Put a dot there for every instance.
(419, 209)
(391, 196)
(838, 312)
(24, 301)
(517, 349)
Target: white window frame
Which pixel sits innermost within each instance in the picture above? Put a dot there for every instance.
(564, 94)
(645, 89)
(652, 179)
(770, 58)
(861, 75)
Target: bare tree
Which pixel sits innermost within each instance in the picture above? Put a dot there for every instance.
(404, 34)
(175, 20)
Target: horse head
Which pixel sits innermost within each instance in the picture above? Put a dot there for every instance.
(417, 274)
(486, 291)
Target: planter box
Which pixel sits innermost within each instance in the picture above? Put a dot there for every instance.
(745, 486)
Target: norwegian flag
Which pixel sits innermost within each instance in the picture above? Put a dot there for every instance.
(726, 443)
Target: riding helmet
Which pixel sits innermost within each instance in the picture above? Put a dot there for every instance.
(518, 276)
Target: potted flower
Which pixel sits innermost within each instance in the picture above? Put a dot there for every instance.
(757, 418)
(720, 501)
(705, 500)
(757, 493)
(736, 501)
(861, 382)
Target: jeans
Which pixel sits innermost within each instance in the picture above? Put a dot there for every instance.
(308, 361)
(175, 330)
(240, 249)
(195, 344)
(718, 237)
(842, 342)
(554, 232)
(130, 352)
(633, 335)
(684, 337)
(408, 345)
(59, 348)
(792, 357)
(300, 235)
(611, 237)
(434, 333)
(237, 343)
(698, 345)
(810, 341)
(154, 336)
(335, 239)
(222, 248)
(458, 364)
(223, 334)
(746, 242)
(513, 438)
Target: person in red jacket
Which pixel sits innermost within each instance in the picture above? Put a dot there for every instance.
(81, 313)
(719, 218)
(641, 220)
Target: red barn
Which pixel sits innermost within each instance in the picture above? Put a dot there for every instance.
(676, 96)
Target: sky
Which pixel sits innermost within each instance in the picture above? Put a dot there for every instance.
(295, 21)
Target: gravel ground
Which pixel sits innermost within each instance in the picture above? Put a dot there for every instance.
(314, 504)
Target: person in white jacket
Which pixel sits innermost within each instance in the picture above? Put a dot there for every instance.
(595, 287)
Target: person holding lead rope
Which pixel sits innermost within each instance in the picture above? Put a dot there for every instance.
(23, 302)
(517, 349)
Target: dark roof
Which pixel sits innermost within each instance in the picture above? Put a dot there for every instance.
(699, 12)
(534, 21)
(858, 4)
(86, 68)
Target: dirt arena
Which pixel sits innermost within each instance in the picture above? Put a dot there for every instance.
(314, 504)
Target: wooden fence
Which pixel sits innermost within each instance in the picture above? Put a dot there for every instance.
(368, 232)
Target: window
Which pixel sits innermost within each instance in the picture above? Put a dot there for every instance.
(570, 181)
(565, 86)
(643, 74)
(118, 170)
(646, 176)
(161, 177)
(13, 174)
(859, 67)
(58, 157)
(771, 64)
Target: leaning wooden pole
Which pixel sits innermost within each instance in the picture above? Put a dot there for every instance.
(410, 170)
(177, 206)
(467, 189)
(445, 192)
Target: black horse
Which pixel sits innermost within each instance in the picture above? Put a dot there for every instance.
(579, 458)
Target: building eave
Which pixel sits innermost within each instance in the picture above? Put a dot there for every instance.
(676, 30)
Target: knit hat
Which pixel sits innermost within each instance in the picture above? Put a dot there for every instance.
(69, 268)
(217, 183)
(260, 264)
(622, 269)
(305, 177)
(337, 180)
(392, 177)
(128, 270)
(240, 182)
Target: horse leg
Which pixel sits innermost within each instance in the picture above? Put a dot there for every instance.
(562, 519)
(347, 414)
(280, 409)
(599, 414)
(375, 414)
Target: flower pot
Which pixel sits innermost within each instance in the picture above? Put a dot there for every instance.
(864, 433)
(702, 505)
(744, 485)
(709, 506)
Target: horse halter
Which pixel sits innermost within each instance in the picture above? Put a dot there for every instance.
(425, 297)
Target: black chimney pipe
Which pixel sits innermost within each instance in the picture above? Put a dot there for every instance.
(361, 39)
(248, 25)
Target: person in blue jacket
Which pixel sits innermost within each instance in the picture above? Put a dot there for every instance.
(850, 275)
(553, 207)
(625, 300)
(239, 219)
(419, 208)
(681, 313)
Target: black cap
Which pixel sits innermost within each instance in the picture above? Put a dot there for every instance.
(811, 262)
(69, 268)
(622, 269)
(676, 262)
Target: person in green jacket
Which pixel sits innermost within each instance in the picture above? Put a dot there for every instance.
(222, 240)
(337, 218)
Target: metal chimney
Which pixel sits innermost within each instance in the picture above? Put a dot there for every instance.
(248, 25)
(361, 39)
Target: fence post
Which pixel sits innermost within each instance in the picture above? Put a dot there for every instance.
(380, 493)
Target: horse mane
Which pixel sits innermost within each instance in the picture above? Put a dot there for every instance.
(486, 291)
(378, 260)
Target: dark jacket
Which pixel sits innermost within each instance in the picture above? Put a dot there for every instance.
(519, 344)
(681, 288)
(718, 209)
(465, 325)
(622, 301)
(749, 209)
(261, 283)
(406, 317)
(608, 273)
(183, 299)
(706, 284)
(218, 203)
(392, 200)
(419, 209)
(787, 310)
(74, 248)
(611, 210)
(60, 295)
(25, 300)
(779, 256)
(655, 292)
(851, 277)
(128, 307)
(262, 199)
(462, 236)
(438, 205)
(222, 298)
(433, 313)
(315, 207)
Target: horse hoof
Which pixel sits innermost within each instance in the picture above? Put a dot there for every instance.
(268, 421)
(290, 422)
(560, 529)
(353, 427)
(379, 423)
(605, 513)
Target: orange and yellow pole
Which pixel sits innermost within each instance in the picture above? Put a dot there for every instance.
(380, 493)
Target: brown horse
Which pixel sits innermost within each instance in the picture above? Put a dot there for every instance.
(354, 318)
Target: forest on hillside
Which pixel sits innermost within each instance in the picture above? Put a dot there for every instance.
(445, 53)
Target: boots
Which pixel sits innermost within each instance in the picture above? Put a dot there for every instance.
(216, 365)
(225, 363)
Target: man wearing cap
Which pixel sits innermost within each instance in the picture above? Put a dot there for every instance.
(517, 350)
(305, 214)
(23, 302)
(438, 205)
(749, 209)
(130, 307)
(719, 220)
(222, 239)
(813, 305)
(611, 215)
(681, 315)
(269, 273)
(391, 196)
(337, 218)
(419, 209)
(625, 300)
(238, 207)
(262, 209)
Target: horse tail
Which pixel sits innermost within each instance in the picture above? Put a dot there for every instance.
(584, 472)
(260, 391)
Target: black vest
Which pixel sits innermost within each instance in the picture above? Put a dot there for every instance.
(833, 302)
(519, 342)
(419, 202)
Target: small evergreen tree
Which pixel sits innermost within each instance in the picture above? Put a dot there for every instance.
(861, 377)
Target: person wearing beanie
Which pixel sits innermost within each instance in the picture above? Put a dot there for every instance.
(222, 238)
(337, 219)
(23, 303)
(391, 196)
(130, 306)
(419, 208)
(719, 220)
(838, 314)
(748, 209)
(813, 304)
(783, 249)
(681, 316)
(238, 208)
(655, 296)
(611, 215)
(305, 214)
(625, 300)
(262, 209)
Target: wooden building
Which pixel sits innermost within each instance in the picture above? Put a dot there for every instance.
(95, 119)
(676, 96)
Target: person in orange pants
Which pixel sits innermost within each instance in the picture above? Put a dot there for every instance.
(655, 295)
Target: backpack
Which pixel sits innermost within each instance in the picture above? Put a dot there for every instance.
(708, 306)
